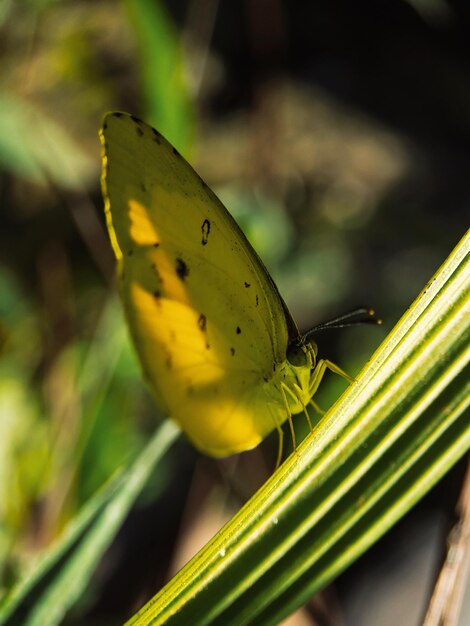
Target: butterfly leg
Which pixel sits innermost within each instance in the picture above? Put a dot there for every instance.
(296, 394)
(317, 409)
(285, 388)
(319, 372)
(298, 397)
(337, 370)
(280, 446)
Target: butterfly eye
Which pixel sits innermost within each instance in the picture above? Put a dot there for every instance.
(296, 355)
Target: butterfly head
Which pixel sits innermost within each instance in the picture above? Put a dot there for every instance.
(302, 353)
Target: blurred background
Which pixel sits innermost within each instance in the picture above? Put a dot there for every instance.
(337, 133)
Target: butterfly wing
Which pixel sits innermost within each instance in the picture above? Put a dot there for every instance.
(206, 318)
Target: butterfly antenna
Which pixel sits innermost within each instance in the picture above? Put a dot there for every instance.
(361, 315)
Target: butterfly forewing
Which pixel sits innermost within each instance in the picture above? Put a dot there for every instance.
(206, 318)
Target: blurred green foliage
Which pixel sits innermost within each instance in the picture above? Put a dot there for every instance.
(160, 60)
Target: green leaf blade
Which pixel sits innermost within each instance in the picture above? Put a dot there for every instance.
(44, 597)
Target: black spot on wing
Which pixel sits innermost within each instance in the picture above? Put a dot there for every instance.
(205, 229)
(202, 322)
(247, 285)
(130, 252)
(239, 330)
(232, 351)
(181, 269)
(175, 151)
(119, 114)
(156, 244)
(157, 293)
(154, 268)
(135, 119)
(139, 131)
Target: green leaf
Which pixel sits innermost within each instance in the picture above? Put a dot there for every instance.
(380, 448)
(43, 598)
(167, 102)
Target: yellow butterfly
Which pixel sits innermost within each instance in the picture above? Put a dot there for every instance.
(218, 345)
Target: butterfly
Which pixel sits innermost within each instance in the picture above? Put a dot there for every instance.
(218, 346)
